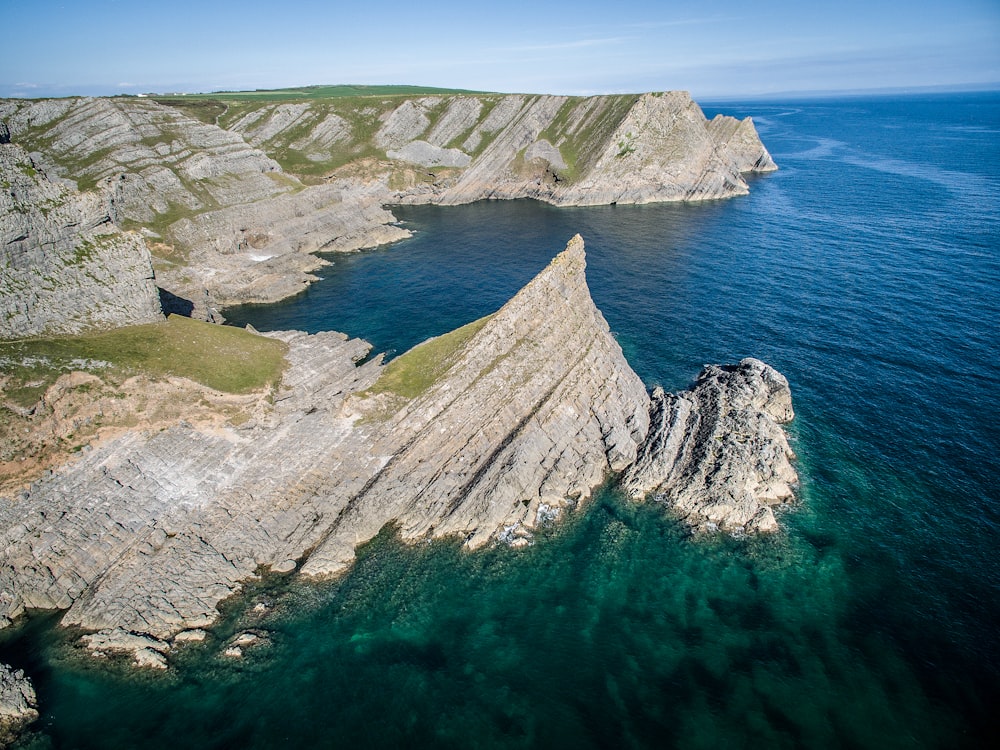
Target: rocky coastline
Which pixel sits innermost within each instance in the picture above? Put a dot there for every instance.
(522, 416)
(234, 210)
(115, 211)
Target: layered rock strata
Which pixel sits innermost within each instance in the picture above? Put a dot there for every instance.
(65, 267)
(660, 149)
(716, 453)
(536, 410)
(234, 209)
(484, 433)
(227, 224)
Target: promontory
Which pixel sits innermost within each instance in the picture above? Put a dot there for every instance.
(152, 461)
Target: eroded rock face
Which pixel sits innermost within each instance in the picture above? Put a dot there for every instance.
(143, 536)
(230, 224)
(716, 453)
(18, 705)
(537, 410)
(64, 266)
(655, 148)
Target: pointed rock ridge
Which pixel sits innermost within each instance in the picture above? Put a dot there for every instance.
(739, 141)
(716, 453)
(532, 413)
(483, 433)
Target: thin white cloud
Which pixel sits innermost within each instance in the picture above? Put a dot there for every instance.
(683, 22)
(557, 46)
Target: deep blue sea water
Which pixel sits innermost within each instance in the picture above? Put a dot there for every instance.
(867, 270)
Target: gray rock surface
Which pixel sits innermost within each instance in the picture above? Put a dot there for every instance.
(741, 144)
(526, 413)
(650, 148)
(538, 408)
(227, 224)
(429, 155)
(18, 704)
(64, 266)
(716, 453)
(406, 123)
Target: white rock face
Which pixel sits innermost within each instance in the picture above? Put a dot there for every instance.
(143, 536)
(716, 454)
(64, 266)
(428, 155)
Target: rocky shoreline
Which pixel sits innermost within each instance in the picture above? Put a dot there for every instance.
(527, 412)
(235, 211)
(115, 210)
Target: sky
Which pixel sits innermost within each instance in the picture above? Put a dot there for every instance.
(712, 48)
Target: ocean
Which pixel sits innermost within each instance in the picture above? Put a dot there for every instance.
(867, 271)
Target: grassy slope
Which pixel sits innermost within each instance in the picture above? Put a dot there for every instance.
(221, 357)
(411, 374)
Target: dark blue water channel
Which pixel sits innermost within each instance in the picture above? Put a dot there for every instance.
(867, 270)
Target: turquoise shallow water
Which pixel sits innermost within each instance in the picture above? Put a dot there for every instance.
(867, 271)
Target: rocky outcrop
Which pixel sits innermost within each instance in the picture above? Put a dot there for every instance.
(264, 251)
(65, 267)
(563, 150)
(741, 144)
(18, 705)
(483, 434)
(537, 409)
(227, 224)
(599, 151)
(154, 529)
(716, 453)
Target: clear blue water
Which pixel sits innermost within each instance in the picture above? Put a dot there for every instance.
(867, 270)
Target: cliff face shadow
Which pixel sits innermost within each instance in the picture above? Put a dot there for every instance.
(172, 304)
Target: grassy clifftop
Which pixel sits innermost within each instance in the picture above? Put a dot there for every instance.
(221, 357)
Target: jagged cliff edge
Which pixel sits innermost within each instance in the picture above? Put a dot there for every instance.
(232, 212)
(527, 412)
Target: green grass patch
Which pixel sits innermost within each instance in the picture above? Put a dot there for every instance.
(207, 111)
(221, 357)
(411, 374)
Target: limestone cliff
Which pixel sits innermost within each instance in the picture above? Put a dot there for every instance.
(235, 204)
(563, 150)
(223, 219)
(65, 267)
(716, 453)
(483, 433)
(660, 149)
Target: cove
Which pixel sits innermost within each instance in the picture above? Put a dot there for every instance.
(866, 270)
